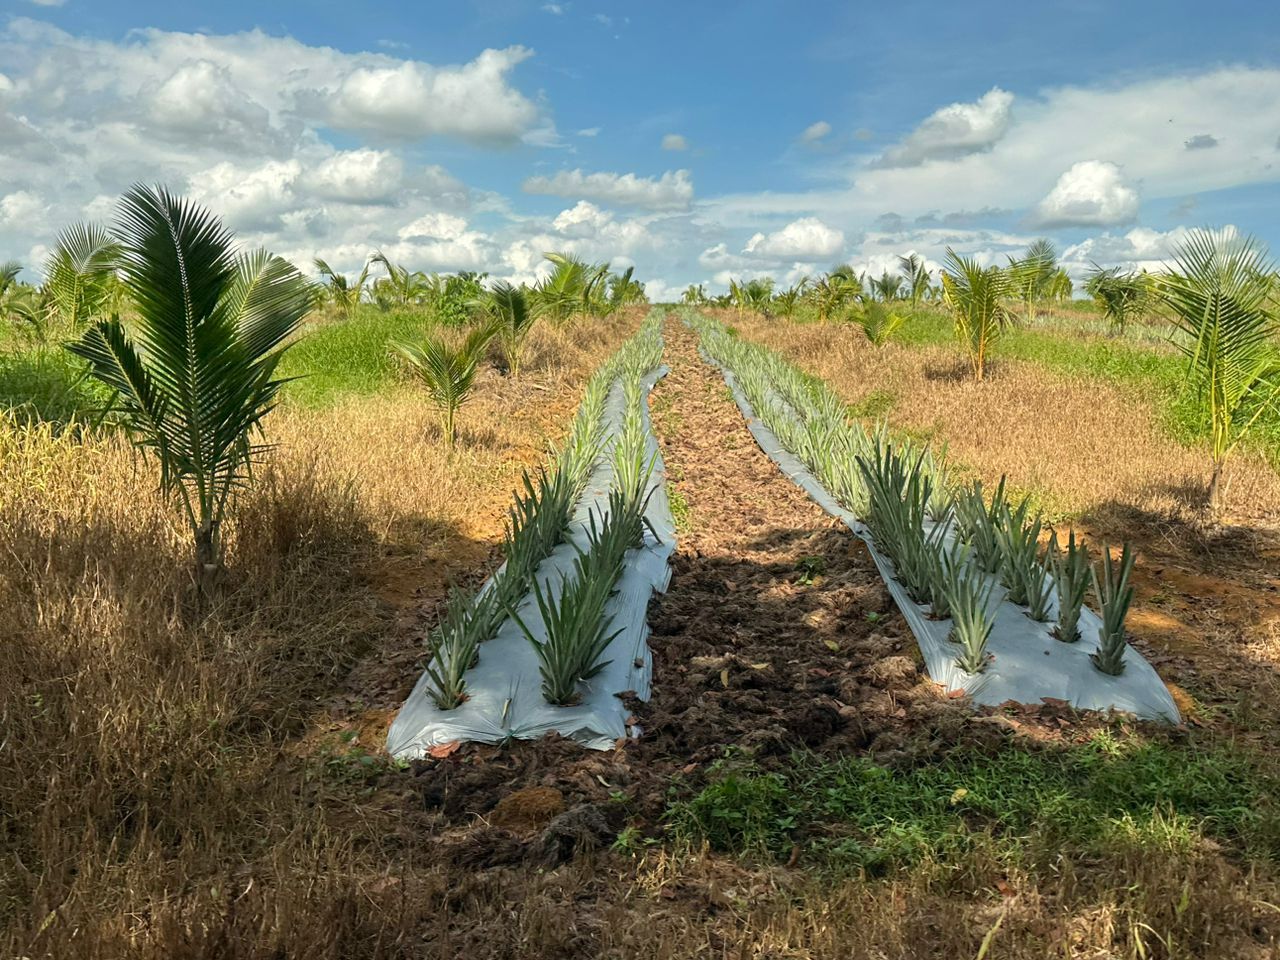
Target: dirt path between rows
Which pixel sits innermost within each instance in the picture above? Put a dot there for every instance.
(776, 634)
(777, 631)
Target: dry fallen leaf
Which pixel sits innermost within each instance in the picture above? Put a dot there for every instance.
(724, 678)
(442, 750)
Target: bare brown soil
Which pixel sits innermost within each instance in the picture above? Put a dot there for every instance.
(748, 653)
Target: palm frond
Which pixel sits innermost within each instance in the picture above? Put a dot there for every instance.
(79, 273)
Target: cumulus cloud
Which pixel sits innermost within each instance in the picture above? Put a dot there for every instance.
(1138, 249)
(358, 176)
(413, 99)
(587, 231)
(805, 239)
(955, 130)
(1090, 193)
(672, 191)
(815, 131)
(202, 100)
(1128, 124)
(20, 208)
(241, 122)
(253, 86)
(877, 251)
(674, 141)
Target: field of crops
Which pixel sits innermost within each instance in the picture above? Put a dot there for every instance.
(404, 615)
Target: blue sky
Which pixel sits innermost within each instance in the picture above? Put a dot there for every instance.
(697, 141)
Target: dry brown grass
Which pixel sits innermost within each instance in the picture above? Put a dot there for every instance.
(1079, 444)
(161, 793)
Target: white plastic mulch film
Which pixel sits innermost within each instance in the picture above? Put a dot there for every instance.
(504, 689)
(1028, 664)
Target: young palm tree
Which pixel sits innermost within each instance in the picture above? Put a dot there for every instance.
(786, 302)
(886, 287)
(572, 288)
(752, 295)
(1223, 304)
(512, 318)
(1031, 276)
(694, 295)
(1121, 295)
(400, 287)
(916, 275)
(448, 370)
(342, 293)
(625, 290)
(18, 301)
(878, 322)
(1060, 287)
(832, 292)
(80, 275)
(975, 297)
(194, 372)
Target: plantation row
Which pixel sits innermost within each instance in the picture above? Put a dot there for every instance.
(559, 602)
(958, 555)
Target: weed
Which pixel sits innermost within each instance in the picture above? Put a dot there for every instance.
(810, 568)
(679, 509)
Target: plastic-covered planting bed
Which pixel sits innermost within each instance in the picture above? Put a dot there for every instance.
(504, 697)
(1028, 664)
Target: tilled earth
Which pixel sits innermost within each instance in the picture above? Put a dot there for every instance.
(776, 634)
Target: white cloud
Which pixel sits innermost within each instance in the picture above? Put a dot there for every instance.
(718, 257)
(201, 100)
(20, 208)
(586, 231)
(878, 251)
(955, 130)
(1138, 249)
(358, 176)
(556, 9)
(413, 99)
(805, 239)
(589, 132)
(674, 141)
(250, 197)
(816, 131)
(240, 122)
(1090, 193)
(48, 3)
(672, 191)
(1127, 124)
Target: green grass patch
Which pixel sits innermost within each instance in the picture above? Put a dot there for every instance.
(347, 357)
(874, 406)
(679, 509)
(1025, 804)
(48, 384)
